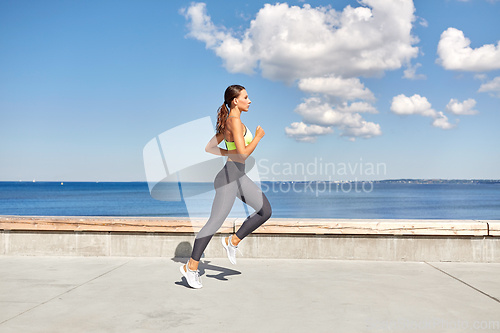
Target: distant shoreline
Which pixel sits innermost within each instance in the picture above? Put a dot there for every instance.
(389, 181)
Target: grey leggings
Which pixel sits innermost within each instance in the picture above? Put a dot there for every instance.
(232, 182)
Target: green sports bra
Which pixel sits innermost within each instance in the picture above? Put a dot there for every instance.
(248, 137)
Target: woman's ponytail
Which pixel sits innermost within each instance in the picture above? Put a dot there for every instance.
(231, 93)
(222, 114)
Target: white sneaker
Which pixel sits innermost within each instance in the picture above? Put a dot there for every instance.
(231, 249)
(192, 277)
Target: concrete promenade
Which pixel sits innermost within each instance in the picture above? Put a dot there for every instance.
(69, 294)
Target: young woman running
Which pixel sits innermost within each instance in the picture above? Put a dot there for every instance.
(231, 182)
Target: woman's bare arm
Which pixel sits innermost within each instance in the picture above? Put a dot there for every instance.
(213, 149)
(213, 143)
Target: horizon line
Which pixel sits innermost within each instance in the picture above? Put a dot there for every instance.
(270, 181)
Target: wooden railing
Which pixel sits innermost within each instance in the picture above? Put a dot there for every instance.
(272, 226)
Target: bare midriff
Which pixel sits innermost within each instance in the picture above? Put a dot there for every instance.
(241, 160)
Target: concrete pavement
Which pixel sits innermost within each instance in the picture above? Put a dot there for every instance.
(148, 294)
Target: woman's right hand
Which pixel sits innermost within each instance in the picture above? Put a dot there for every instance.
(259, 132)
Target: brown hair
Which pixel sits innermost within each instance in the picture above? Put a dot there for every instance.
(231, 93)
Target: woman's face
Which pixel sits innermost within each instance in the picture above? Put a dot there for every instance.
(242, 101)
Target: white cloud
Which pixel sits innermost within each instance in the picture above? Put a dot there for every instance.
(316, 111)
(441, 121)
(332, 108)
(464, 108)
(366, 130)
(357, 107)
(324, 49)
(455, 53)
(410, 73)
(417, 104)
(289, 42)
(306, 133)
(235, 53)
(423, 22)
(493, 87)
(480, 76)
(342, 89)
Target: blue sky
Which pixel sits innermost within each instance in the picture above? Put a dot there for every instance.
(85, 85)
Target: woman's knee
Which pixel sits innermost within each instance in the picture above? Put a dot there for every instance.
(266, 210)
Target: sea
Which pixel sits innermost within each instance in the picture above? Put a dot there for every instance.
(288, 200)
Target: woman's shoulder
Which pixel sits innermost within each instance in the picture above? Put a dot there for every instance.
(231, 119)
(233, 122)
